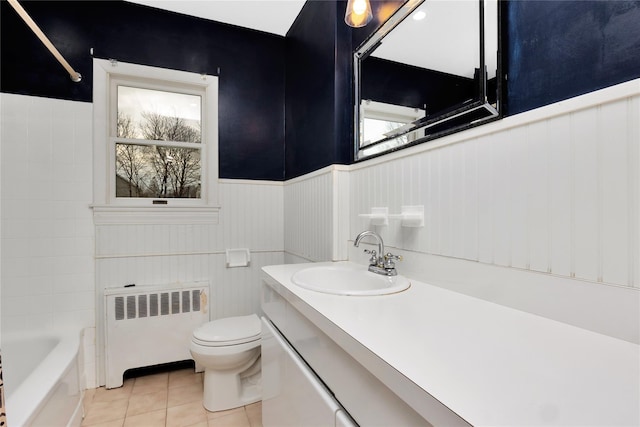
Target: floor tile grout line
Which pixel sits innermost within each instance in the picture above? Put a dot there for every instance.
(166, 418)
(91, 401)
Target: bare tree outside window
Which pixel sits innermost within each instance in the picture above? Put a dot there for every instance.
(184, 172)
(158, 171)
(129, 160)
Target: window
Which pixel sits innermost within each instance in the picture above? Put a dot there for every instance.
(381, 121)
(155, 139)
(157, 142)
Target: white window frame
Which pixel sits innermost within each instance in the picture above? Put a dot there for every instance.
(111, 209)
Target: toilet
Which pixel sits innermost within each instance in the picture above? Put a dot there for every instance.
(229, 352)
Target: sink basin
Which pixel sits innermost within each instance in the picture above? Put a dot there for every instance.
(345, 280)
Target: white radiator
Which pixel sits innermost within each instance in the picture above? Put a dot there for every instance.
(150, 325)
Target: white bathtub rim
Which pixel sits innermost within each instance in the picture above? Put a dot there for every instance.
(25, 401)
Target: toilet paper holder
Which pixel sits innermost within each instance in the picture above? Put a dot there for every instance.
(238, 257)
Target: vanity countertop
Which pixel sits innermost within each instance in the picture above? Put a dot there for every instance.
(490, 364)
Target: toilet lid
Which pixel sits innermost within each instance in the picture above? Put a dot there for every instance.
(228, 331)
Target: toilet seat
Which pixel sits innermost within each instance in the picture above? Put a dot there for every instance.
(228, 331)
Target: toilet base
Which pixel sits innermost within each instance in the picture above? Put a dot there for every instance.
(227, 391)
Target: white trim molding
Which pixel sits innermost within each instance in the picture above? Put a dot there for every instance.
(109, 215)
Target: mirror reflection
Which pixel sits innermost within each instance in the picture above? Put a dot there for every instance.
(418, 77)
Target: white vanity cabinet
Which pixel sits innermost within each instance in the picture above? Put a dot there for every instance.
(432, 356)
(292, 394)
(362, 398)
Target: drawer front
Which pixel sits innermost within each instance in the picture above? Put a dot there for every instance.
(367, 400)
(292, 394)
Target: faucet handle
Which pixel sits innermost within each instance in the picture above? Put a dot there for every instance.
(389, 259)
(374, 256)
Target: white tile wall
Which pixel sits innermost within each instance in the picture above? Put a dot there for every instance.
(47, 228)
(47, 277)
(2, 126)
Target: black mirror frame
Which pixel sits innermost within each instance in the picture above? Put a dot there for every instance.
(470, 109)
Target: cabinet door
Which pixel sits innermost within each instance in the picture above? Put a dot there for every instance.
(292, 394)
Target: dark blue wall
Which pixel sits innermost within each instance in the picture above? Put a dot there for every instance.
(251, 63)
(554, 50)
(561, 49)
(318, 89)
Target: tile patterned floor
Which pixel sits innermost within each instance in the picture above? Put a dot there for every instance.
(170, 399)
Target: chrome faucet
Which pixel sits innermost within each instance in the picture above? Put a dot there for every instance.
(379, 262)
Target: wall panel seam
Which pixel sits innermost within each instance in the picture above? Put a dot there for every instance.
(572, 196)
(599, 190)
(633, 141)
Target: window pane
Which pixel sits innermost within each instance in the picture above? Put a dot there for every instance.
(158, 115)
(157, 171)
(375, 130)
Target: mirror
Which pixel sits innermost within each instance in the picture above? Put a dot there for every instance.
(418, 77)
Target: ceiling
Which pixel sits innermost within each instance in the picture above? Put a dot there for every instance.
(455, 21)
(271, 16)
(446, 38)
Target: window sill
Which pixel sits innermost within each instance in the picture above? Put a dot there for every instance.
(129, 215)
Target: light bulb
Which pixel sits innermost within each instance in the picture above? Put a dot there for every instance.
(358, 13)
(359, 7)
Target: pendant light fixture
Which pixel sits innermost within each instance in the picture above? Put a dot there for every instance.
(358, 13)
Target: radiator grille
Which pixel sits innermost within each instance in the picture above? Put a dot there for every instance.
(195, 301)
(131, 307)
(164, 304)
(153, 305)
(119, 308)
(146, 305)
(142, 306)
(186, 306)
(175, 302)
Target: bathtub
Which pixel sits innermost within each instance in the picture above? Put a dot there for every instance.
(41, 379)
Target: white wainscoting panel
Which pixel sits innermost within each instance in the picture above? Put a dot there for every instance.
(251, 216)
(341, 197)
(233, 291)
(314, 214)
(552, 191)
